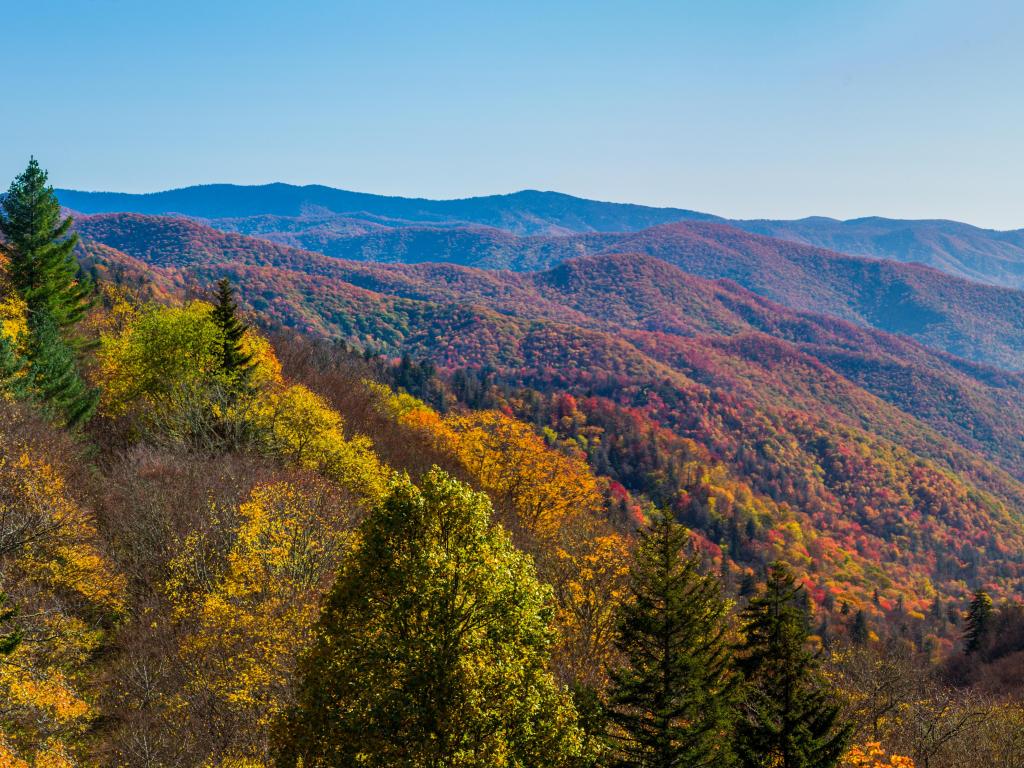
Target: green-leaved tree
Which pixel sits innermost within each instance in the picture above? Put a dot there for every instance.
(789, 715)
(12, 369)
(53, 377)
(671, 703)
(433, 646)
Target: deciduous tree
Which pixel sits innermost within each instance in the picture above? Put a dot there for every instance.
(432, 648)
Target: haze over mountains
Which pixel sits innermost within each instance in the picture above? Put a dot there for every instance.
(322, 218)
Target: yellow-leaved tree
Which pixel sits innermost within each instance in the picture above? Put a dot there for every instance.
(162, 370)
(871, 755)
(63, 596)
(247, 590)
(553, 505)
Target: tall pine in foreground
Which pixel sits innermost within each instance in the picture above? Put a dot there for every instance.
(40, 249)
(53, 377)
(433, 647)
(671, 703)
(789, 718)
(41, 264)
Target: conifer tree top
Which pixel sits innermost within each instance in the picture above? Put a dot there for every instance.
(226, 316)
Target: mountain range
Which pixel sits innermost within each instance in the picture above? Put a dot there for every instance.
(871, 402)
(322, 218)
(968, 319)
(877, 446)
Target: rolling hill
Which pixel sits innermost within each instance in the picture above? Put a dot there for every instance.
(875, 447)
(967, 319)
(985, 255)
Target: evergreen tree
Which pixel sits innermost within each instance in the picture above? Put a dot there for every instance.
(671, 703)
(433, 646)
(860, 633)
(235, 362)
(979, 621)
(789, 717)
(40, 250)
(42, 267)
(53, 377)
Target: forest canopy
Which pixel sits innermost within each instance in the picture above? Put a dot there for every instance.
(226, 545)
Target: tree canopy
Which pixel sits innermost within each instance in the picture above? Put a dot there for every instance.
(432, 647)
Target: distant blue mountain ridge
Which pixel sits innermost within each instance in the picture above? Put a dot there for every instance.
(322, 218)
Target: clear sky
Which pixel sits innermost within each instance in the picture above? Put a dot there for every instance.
(759, 108)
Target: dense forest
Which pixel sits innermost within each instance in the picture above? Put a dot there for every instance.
(856, 447)
(251, 517)
(969, 319)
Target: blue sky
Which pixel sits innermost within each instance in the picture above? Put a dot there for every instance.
(763, 108)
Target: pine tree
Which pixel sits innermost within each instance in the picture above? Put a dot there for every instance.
(790, 719)
(432, 648)
(40, 250)
(860, 633)
(671, 703)
(979, 621)
(42, 267)
(53, 377)
(13, 370)
(235, 362)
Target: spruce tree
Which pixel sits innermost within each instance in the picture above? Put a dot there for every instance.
(860, 633)
(13, 370)
(670, 705)
(979, 621)
(41, 264)
(53, 378)
(790, 718)
(432, 648)
(234, 362)
(39, 246)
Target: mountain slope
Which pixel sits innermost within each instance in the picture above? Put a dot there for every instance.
(976, 405)
(967, 319)
(709, 365)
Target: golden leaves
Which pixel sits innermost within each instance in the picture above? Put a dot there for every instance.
(871, 755)
(250, 607)
(61, 584)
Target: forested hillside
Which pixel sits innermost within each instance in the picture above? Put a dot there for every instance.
(260, 506)
(850, 448)
(394, 307)
(967, 319)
